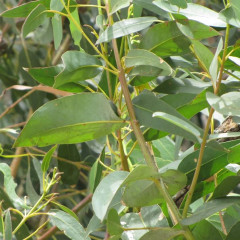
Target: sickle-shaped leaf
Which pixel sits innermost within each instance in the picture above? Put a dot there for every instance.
(73, 119)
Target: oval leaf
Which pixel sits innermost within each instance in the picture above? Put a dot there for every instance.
(72, 119)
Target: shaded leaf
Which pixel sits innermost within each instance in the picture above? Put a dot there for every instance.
(8, 226)
(209, 208)
(162, 234)
(65, 222)
(113, 223)
(47, 159)
(125, 27)
(234, 232)
(89, 117)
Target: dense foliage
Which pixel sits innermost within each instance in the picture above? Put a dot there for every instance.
(108, 118)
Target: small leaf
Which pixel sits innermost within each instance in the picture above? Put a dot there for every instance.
(89, 117)
(113, 223)
(78, 66)
(117, 5)
(66, 209)
(213, 69)
(105, 192)
(125, 27)
(47, 158)
(227, 104)
(8, 226)
(34, 20)
(38, 168)
(65, 222)
(96, 172)
(162, 234)
(209, 208)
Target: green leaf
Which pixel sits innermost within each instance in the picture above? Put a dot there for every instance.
(94, 224)
(113, 223)
(162, 234)
(195, 12)
(236, 8)
(180, 124)
(70, 172)
(78, 66)
(20, 11)
(146, 63)
(209, 208)
(31, 192)
(229, 16)
(75, 33)
(165, 40)
(96, 172)
(38, 168)
(206, 230)
(226, 186)
(213, 69)
(105, 192)
(209, 166)
(8, 226)
(234, 155)
(47, 158)
(116, 5)
(227, 104)
(125, 27)
(65, 222)
(9, 183)
(34, 20)
(146, 104)
(179, 3)
(89, 117)
(234, 232)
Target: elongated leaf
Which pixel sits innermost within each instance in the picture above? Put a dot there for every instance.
(71, 227)
(34, 20)
(9, 183)
(146, 63)
(65, 209)
(125, 27)
(8, 226)
(47, 158)
(146, 104)
(20, 11)
(209, 208)
(90, 116)
(226, 186)
(105, 192)
(70, 172)
(195, 12)
(227, 104)
(113, 223)
(179, 123)
(162, 234)
(78, 66)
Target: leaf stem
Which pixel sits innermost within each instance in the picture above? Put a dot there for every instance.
(205, 135)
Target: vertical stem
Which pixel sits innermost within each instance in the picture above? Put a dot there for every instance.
(123, 157)
(205, 135)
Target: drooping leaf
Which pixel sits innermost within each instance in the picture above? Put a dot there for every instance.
(209, 208)
(8, 226)
(65, 222)
(195, 12)
(125, 27)
(113, 223)
(227, 104)
(70, 172)
(47, 159)
(89, 117)
(105, 192)
(34, 20)
(146, 63)
(78, 66)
